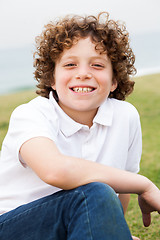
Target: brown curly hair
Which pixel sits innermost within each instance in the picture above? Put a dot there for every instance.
(109, 36)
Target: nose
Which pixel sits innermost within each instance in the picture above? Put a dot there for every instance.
(83, 73)
(83, 76)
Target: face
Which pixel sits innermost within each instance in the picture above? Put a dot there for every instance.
(83, 79)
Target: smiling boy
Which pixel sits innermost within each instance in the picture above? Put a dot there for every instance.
(70, 150)
(83, 81)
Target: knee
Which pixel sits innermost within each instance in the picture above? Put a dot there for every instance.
(101, 194)
(97, 195)
(99, 191)
(96, 199)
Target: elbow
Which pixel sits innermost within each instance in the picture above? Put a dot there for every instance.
(58, 176)
(57, 179)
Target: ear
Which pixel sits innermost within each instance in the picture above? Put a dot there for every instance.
(53, 86)
(114, 85)
(53, 83)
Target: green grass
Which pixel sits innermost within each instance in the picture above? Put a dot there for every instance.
(7, 104)
(146, 98)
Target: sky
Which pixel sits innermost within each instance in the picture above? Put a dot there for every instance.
(22, 20)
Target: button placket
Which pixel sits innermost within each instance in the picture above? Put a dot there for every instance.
(87, 146)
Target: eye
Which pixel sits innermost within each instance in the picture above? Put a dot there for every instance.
(98, 65)
(70, 65)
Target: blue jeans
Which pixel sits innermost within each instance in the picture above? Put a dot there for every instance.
(89, 212)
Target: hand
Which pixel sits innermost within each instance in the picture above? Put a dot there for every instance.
(135, 238)
(149, 201)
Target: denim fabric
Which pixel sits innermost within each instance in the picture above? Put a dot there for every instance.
(89, 212)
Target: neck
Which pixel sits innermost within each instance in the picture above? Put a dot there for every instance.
(85, 118)
(82, 117)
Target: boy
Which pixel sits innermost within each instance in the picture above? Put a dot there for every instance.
(77, 136)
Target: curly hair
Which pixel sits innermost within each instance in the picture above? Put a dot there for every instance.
(109, 36)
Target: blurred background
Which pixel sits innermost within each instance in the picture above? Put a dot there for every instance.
(22, 20)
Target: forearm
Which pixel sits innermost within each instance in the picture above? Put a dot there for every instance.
(77, 172)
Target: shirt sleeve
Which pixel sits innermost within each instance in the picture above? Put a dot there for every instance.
(135, 143)
(27, 122)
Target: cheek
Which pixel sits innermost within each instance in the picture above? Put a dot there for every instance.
(105, 82)
(62, 79)
(60, 85)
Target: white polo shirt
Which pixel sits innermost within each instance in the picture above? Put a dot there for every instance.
(114, 140)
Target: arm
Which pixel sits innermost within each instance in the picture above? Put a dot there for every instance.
(54, 168)
(124, 198)
(66, 172)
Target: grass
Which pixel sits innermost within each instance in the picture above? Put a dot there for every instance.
(7, 104)
(146, 99)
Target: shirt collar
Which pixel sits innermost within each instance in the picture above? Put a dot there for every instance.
(68, 126)
(104, 115)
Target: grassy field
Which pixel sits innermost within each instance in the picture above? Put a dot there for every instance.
(146, 98)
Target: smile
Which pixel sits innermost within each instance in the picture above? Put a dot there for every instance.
(82, 89)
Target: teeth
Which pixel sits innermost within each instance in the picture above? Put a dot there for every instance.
(82, 90)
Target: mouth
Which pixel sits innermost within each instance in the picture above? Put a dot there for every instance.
(83, 89)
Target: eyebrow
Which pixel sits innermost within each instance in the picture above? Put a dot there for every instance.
(71, 57)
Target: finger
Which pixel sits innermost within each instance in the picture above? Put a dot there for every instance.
(135, 238)
(146, 219)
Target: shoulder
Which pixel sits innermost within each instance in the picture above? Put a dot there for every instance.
(39, 106)
(124, 113)
(37, 115)
(123, 108)
(38, 103)
(32, 119)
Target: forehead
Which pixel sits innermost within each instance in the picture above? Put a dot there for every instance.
(84, 47)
